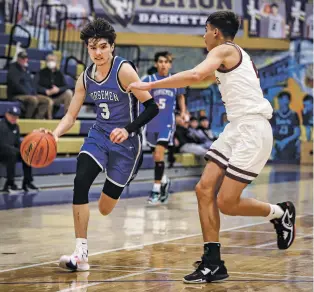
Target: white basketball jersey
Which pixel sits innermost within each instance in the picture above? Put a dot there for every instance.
(275, 28)
(240, 89)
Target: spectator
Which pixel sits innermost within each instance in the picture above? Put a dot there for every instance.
(307, 116)
(286, 129)
(205, 132)
(184, 141)
(10, 151)
(50, 81)
(21, 87)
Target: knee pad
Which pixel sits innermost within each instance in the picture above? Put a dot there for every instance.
(111, 190)
(86, 172)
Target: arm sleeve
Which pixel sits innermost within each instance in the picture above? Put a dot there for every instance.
(151, 110)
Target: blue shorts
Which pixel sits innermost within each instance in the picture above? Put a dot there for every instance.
(165, 136)
(121, 161)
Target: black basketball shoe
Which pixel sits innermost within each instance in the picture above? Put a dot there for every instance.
(285, 226)
(206, 273)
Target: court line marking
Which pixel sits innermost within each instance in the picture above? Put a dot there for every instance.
(136, 246)
(145, 244)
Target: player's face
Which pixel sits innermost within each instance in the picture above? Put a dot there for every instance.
(194, 124)
(100, 51)
(210, 37)
(284, 102)
(274, 10)
(205, 124)
(163, 66)
(308, 105)
(12, 119)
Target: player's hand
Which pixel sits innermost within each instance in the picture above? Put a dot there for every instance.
(139, 85)
(119, 135)
(47, 131)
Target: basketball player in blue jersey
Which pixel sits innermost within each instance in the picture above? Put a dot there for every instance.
(160, 130)
(113, 143)
(239, 154)
(286, 129)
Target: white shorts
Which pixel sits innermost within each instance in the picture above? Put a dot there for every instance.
(243, 148)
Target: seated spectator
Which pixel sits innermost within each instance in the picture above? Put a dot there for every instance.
(50, 81)
(21, 87)
(10, 151)
(205, 133)
(184, 141)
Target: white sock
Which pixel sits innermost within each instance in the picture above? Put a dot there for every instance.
(82, 242)
(156, 188)
(275, 212)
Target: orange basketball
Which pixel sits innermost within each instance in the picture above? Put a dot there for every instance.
(38, 149)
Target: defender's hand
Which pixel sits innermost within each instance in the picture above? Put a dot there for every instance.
(119, 135)
(144, 86)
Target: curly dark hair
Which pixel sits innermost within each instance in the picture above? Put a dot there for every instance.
(98, 29)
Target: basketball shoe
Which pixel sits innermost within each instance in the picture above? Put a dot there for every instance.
(164, 191)
(207, 272)
(154, 198)
(78, 261)
(285, 226)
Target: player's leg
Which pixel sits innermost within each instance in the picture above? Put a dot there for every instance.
(123, 162)
(211, 267)
(162, 182)
(251, 150)
(91, 161)
(109, 197)
(86, 171)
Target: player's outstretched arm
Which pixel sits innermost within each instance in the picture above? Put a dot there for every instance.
(127, 75)
(69, 119)
(185, 78)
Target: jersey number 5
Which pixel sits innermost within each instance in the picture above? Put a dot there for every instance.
(105, 110)
(162, 103)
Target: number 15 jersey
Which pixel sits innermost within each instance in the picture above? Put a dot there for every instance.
(115, 107)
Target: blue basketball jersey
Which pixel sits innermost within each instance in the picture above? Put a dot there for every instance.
(115, 107)
(166, 100)
(284, 124)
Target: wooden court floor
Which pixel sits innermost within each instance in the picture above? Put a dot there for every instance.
(140, 248)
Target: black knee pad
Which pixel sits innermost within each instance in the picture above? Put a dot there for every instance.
(86, 172)
(112, 190)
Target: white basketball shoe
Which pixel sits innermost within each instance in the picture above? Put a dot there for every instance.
(77, 262)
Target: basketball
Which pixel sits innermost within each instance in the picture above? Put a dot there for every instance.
(38, 149)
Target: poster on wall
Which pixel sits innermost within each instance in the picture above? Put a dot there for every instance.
(308, 23)
(267, 19)
(297, 17)
(160, 16)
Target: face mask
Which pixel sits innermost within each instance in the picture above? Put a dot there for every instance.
(51, 64)
(25, 65)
